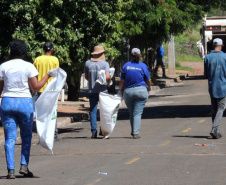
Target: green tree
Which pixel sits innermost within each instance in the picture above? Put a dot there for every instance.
(150, 21)
(74, 27)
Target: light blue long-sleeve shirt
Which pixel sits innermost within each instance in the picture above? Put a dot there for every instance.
(215, 71)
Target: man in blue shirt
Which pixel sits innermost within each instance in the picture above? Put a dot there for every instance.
(215, 72)
(160, 61)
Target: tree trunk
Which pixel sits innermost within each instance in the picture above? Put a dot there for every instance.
(73, 83)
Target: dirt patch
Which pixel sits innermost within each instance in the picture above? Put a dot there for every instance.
(198, 67)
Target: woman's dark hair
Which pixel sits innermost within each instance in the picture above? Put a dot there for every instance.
(136, 57)
(18, 49)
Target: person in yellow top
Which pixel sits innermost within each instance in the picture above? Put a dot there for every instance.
(46, 62)
(43, 64)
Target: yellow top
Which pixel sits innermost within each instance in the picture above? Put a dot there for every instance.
(43, 64)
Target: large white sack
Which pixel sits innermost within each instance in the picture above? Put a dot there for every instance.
(102, 76)
(109, 105)
(46, 109)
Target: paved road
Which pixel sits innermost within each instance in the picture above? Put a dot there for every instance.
(174, 121)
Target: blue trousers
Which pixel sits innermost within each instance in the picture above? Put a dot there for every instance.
(17, 111)
(93, 100)
(135, 99)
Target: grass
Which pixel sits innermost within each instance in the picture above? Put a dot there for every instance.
(188, 58)
(185, 45)
(184, 68)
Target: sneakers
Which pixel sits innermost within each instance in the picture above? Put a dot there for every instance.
(94, 136)
(215, 134)
(136, 136)
(56, 138)
(25, 171)
(11, 174)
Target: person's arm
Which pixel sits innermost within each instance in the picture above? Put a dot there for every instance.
(107, 73)
(148, 83)
(121, 85)
(108, 77)
(36, 85)
(1, 86)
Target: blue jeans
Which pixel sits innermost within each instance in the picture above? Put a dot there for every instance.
(93, 101)
(135, 99)
(17, 111)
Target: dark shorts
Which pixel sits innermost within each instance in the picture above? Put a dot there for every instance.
(161, 62)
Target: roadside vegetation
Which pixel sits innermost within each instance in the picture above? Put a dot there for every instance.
(185, 45)
(75, 27)
(185, 48)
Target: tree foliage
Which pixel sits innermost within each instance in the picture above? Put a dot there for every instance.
(76, 26)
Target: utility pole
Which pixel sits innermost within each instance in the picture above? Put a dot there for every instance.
(171, 56)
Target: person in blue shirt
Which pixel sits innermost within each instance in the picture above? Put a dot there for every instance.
(160, 61)
(215, 72)
(135, 81)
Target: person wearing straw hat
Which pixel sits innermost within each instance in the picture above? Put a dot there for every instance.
(215, 72)
(91, 70)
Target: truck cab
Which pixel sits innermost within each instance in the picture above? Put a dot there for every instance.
(212, 27)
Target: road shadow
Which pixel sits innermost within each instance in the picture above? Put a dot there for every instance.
(188, 136)
(173, 111)
(67, 130)
(75, 138)
(195, 77)
(75, 116)
(20, 177)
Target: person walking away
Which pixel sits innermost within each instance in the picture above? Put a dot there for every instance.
(135, 80)
(215, 72)
(91, 70)
(16, 76)
(160, 52)
(43, 64)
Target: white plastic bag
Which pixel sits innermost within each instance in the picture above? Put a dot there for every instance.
(109, 105)
(102, 76)
(200, 49)
(46, 110)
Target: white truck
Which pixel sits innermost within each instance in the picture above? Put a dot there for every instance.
(212, 27)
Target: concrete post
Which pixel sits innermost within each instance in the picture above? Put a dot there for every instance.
(171, 56)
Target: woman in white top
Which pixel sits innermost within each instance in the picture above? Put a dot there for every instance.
(16, 78)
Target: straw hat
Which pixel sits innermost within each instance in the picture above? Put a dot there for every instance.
(98, 50)
(98, 54)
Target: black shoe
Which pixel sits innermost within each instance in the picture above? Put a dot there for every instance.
(94, 136)
(216, 135)
(136, 136)
(56, 138)
(11, 174)
(25, 171)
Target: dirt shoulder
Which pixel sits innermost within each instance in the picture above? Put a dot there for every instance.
(198, 67)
